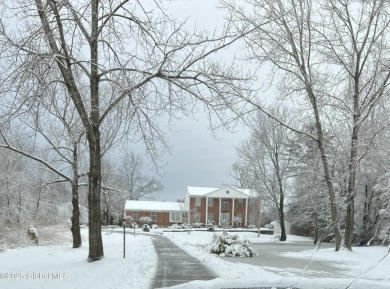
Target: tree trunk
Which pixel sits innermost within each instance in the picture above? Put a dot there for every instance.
(350, 217)
(332, 194)
(75, 201)
(91, 123)
(75, 217)
(38, 201)
(108, 216)
(328, 177)
(316, 231)
(283, 235)
(94, 218)
(324, 157)
(20, 202)
(93, 136)
(365, 234)
(279, 178)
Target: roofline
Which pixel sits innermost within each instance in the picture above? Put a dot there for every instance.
(216, 189)
(148, 210)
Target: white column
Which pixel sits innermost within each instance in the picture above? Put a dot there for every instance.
(207, 210)
(219, 216)
(233, 213)
(259, 214)
(246, 211)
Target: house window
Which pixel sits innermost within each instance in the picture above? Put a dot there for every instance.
(197, 217)
(240, 203)
(198, 202)
(251, 203)
(238, 219)
(134, 216)
(175, 217)
(211, 201)
(210, 218)
(153, 216)
(225, 204)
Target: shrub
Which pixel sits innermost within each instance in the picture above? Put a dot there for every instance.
(230, 246)
(384, 235)
(32, 233)
(145, 220)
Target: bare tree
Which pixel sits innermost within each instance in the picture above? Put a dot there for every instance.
(266, 157)
(287, 44)
(25, 196)
(146, 64)
(329, 55)
(56, 142)
(125, 181)
(135, 184)
(356, 41)
(12, 179)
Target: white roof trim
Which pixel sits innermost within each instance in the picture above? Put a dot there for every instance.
(228, 193)
(210, 191)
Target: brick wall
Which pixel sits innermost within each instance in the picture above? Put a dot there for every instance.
(254, 211)
(215, 210)
(162, 218)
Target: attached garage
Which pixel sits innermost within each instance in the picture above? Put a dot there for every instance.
(163, 214)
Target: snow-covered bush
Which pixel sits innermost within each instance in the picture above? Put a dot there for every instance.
(230, 246)
(32, 233)
(175, 226)
(384, 235)
(145, 220)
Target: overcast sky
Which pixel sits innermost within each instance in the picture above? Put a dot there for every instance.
(197, 157)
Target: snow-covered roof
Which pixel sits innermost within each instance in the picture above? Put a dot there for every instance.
(155, 206)
(203, 191)
(200, 191)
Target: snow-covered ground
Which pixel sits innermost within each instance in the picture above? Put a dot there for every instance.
(236, 275)
(60, 266)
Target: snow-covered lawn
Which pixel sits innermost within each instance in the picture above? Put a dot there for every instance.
(61, 267)
(243, 275)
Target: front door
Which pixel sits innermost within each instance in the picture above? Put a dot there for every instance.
(225, 218)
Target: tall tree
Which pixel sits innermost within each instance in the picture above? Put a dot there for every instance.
(144, 62)
(126, 181)
(356, 41)
(329, 55)
(56, 136)
(267, 159)
(135, 184)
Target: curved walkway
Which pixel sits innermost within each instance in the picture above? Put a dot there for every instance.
(175, 266)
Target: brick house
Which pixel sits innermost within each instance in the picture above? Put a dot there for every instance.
(163, 214)
(225, 206)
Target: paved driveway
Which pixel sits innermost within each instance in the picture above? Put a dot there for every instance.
(270, 258)
(175, 266)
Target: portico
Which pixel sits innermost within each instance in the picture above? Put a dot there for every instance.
(225, 206)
